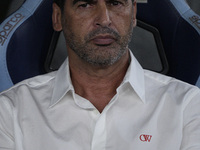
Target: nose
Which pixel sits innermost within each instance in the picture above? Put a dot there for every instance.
(103, 16)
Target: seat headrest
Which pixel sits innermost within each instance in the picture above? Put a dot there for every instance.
(179, 27)
(21, 36)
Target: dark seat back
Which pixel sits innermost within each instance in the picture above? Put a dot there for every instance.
(179, 28)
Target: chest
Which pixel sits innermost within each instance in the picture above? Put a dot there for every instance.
(130, 125)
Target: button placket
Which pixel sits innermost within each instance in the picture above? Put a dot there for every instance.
(100, 131)
(99, 136)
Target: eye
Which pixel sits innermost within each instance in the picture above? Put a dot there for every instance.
(115, 3)
(84, 5)
(87, 4)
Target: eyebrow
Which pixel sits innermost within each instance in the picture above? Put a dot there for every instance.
(76, 1)
(90, 1)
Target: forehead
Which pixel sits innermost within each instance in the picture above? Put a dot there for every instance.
(75, 1)
(112, 5)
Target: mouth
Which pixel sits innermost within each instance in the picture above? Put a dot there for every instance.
(103, 40)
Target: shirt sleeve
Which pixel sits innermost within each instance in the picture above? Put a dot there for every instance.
(191, 124)
(6, 124)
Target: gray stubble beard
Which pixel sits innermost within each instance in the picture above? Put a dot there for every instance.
(88, 53)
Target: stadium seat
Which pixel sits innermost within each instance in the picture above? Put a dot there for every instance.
(24, 41)
(30, 47)
(179, 27)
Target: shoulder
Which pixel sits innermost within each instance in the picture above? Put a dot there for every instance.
(158, 79)
(31, 84)
(174, 88)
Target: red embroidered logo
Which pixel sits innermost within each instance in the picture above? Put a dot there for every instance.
(145, 138)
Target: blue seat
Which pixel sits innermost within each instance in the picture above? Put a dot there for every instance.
(198, 82)
(24, 41)
(27, 37)
(179, 28)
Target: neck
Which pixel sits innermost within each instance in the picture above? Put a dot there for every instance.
(98, 84)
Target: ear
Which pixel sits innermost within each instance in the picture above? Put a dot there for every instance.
(134, 13)
(56, 17)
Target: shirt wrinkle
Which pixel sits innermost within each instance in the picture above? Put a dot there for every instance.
(40, 80)
(191, 97)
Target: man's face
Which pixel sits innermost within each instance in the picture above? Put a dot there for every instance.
(98, 31)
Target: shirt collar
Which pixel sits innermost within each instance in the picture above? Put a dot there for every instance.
(135, 76)
(63, 84)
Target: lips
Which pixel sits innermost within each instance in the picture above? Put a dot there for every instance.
(103, 40)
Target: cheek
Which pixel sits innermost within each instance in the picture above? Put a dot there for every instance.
(76, 31)
(122, 23)
(81, 23)
(83, 28)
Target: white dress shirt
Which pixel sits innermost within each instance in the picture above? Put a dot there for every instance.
(149, 112)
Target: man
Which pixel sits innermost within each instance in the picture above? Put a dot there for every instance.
(97, 40)
(100, 98)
